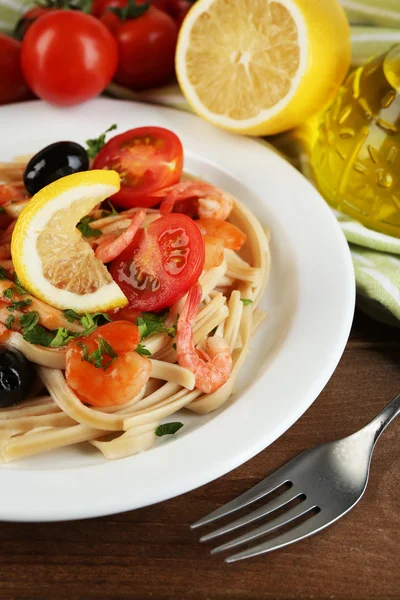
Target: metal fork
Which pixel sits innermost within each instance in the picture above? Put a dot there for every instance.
(326, 481)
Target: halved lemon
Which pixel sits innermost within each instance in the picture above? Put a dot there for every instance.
(51, 258)
(260, 67)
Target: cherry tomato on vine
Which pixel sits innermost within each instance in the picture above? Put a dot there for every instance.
(146, 38)
(13, 87)
(68, 57)
(147, 159)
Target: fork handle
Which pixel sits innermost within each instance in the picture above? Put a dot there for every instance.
(385, 417)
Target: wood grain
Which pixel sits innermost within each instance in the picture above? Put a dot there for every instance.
(151, 553)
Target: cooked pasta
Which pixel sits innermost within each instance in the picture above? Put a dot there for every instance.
(57, 417)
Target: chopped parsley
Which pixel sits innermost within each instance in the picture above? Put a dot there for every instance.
(3, 274)
(85, 228)
(9, 321)
(38, 335)
(95, 145)
(142, 350)
(168, 428)
(151, 322)
(112, 208)
(71, 315)
(8, 293)
(15, 305)
(92, 322)
(62, 337)
(29, 320)
(18, 286)
(246, 301)
(96, 358)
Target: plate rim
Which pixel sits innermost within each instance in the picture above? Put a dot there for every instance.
(191, 481)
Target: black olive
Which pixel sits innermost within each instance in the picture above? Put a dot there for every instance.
(52, 163)
(16, 376)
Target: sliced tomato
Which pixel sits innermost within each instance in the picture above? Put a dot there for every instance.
(147, 160)
(161, 264)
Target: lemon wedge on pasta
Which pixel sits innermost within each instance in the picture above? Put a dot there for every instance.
(51, 258)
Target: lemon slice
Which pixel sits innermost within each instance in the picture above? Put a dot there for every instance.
(260, 67)
(51, 258)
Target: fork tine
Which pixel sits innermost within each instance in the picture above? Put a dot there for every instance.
(313, 525)
(267, 485)
(265, 510)
(284, 519)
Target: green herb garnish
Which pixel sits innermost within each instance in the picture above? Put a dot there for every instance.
(71, 315)
(92, 322)
(19, 304)
(62, 337)
(96, 358)
(112, 207)
(3, 274)
(85, 228)
(29, 320)
(9, 321)
(95, 145)
(9, 293)
(142, 350)
(246, 301)
(38, 335)
(18, 286)
(151, 322)
(174, 346)
(168, 428)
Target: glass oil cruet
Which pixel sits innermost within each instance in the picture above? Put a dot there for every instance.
(356, 157)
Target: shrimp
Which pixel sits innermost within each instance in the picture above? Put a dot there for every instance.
(103, 368)
(207, 201)
(111, 248)
(211, 366)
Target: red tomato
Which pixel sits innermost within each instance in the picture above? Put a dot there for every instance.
(100, 7)
(163, 5)
(28, 18)
(68, 57)
(146, 47)
(112, 382)
(179, 9)
(161, 264)
(147, 159)
(13, 87)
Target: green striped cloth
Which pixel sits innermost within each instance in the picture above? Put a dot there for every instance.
(376, 257)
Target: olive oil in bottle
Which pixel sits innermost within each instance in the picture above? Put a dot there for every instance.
(356, 157)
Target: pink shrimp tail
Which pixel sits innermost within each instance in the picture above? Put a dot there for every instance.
(189, 311)
(108, 250)
(211, 368)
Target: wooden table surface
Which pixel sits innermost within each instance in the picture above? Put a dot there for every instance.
(151, 553)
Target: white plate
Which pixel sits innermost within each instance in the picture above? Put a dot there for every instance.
(310, 301)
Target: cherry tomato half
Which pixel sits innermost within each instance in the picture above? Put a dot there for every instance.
(161, 264)
(68, 57)
(147, 159)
